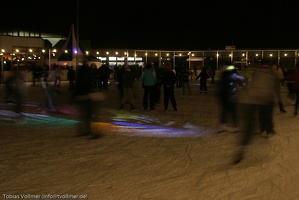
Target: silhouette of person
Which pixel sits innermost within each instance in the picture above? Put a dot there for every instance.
(104, 74)
(168, 80)
(203, 75)
(149, 80)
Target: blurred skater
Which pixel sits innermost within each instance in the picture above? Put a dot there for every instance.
(185, 73)
(15, 89)
(228, 96)
(83, 90)
(258, 102)
(58, 74)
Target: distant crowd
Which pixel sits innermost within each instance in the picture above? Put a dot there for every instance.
(257, 93)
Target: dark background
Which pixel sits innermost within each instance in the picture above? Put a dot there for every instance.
(186, 25)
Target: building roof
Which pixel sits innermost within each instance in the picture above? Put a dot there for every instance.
(52, 38)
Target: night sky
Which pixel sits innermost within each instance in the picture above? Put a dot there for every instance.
(158, 24)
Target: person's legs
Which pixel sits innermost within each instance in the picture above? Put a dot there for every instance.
(157, 94)
(224, 111)
(234, 112)
(86, 110)
(105, 83)
(172, 99)
(266, 118)
(296, 103)
(188, 88)
(205, 88)
(152, 97)
(124, 98)
(261, 118)
(291, 92)
(166, 98)
(145, 97)
(183, 88)
(19, 101)
(248, 132)
(130, 98)
(46, 80)
(201, 87)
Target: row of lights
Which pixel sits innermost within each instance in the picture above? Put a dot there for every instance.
(126, 53)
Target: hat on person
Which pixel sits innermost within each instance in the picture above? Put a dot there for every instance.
(231, 67)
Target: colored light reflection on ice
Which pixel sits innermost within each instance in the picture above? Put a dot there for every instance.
(148, 130)
(134, 124)
(30, 119)
(124, 124)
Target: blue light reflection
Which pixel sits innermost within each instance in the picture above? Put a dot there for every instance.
(138, 129)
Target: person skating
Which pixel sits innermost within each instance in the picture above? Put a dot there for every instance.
(203, 76)
(258, 102)
(229, 85)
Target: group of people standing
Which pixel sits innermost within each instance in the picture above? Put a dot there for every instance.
(101, 76)
(152, 78)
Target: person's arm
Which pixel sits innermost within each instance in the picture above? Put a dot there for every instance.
(198, 76)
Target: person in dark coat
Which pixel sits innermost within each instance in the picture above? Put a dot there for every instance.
(168, 80)
(158, 84)
(203, 76)
(104, 73)
(128, 82)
